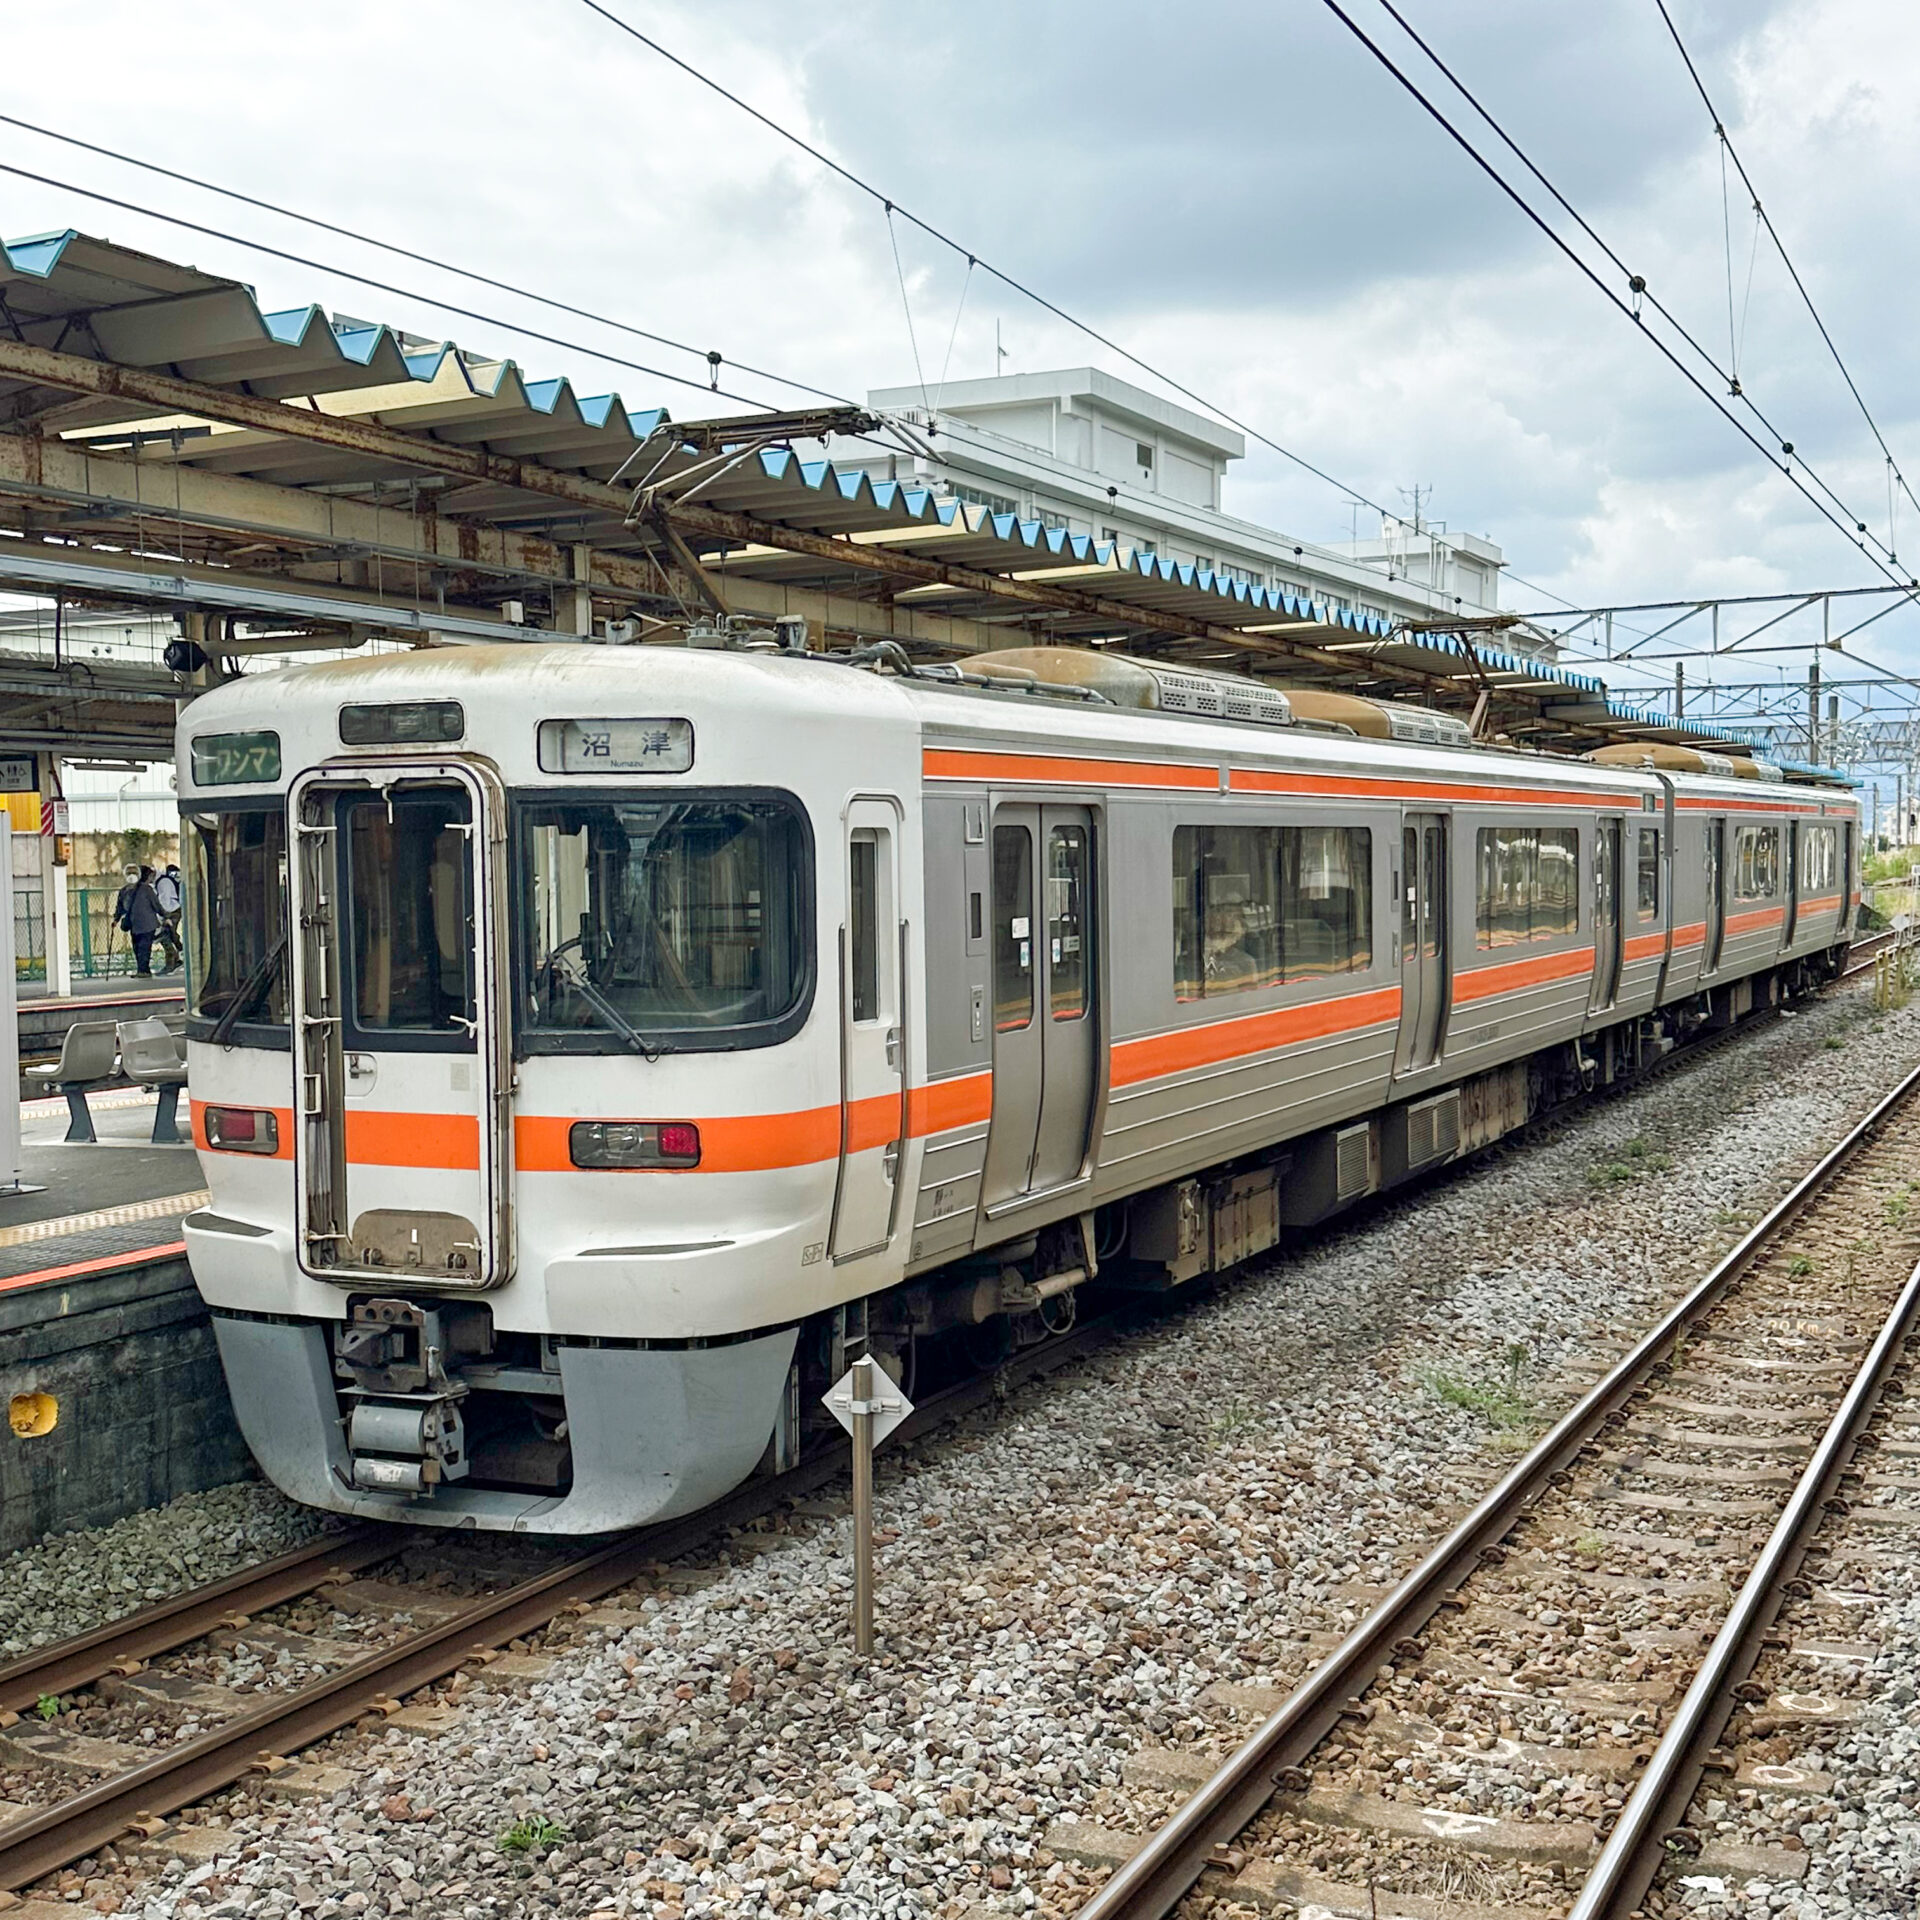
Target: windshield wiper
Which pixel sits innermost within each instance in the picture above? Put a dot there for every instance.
(613, 1019)
(251, 989)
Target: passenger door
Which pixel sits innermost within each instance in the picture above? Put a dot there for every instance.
(1716, 868)
(872, 1034)
(1790, 855)
(1423, 940)
(1606, 915)
(401, 1085)
(1046, 1028)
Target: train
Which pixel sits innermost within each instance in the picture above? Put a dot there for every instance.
(592, 1049)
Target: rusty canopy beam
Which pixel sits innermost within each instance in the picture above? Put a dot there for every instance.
(718, 523)
(164, 393)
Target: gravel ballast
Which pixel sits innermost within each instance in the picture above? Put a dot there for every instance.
(1061, 1585)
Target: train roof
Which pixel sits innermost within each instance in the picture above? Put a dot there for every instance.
(791, 689)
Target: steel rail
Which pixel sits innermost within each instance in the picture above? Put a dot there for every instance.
(1150, 1884)
(173, 1622)
(1656, 1810)
(40, 1842)
(1868, 951)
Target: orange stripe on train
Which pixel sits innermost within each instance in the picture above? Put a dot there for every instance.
(947, 763)
(1209, 1045)
(1481, 983)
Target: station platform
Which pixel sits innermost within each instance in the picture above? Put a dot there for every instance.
(108, 1369)
(120, 1200)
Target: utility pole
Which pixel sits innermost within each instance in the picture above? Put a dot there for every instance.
(1679, 691)
(1813, 710)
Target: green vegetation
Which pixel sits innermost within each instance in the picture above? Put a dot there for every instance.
(47, 1706)
(1504, 1399)
(532, 1834)
(1235, 1417)
(1590, 1546)
(1633, 1160)
(1798, 1266)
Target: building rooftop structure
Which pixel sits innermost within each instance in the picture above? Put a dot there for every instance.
(1081, 450)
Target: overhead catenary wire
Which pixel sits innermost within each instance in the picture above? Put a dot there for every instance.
(906, 303)
(1640, 293)
(1853, 529)
(1783, 463)
(382, 286)
(1006, 279)
(362, 238)
(1780, 246)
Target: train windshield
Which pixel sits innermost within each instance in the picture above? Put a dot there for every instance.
(651, 925)
(236, 914)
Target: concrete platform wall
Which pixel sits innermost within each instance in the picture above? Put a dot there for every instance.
(142, 1406)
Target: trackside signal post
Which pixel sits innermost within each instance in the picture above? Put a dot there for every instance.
(867, 1403)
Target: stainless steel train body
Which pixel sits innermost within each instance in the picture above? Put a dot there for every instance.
(590, 1047)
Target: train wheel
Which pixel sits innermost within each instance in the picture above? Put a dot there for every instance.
(899, 1358)
(989, 1343)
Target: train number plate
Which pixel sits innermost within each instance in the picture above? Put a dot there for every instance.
(616, 746)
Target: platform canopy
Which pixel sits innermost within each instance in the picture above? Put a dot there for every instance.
(299, 479)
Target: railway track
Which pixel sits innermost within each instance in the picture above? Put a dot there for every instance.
(1863, 953)
(130, 1795)
(1521, 1725)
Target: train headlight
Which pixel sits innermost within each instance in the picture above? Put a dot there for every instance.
(634, 1143)
(241, 1129)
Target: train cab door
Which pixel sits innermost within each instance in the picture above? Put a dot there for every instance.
(1423, 940)
(401, 1066)
(1606, 915)
(1715, 858)
(873, 1064)
(1790, 869)
(1046, 1027)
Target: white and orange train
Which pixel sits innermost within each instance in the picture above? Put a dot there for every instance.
(590, 1047)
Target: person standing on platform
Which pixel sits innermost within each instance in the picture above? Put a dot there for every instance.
(166, 892)
(138, 911)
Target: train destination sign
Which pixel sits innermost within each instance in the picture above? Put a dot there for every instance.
(235, 759)
(616, 746)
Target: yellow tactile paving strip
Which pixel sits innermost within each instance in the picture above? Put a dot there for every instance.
(168, 1203)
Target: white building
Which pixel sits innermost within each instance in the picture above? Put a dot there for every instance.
(1081, 450)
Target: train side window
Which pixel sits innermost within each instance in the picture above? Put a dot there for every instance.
(1756, 863)
(1817, 864)
(976, 916)
(863, 923)
(1649, 874)
(1526, 884)
(1067, 922)
(1012, 929)
(1258, 906)
(1225, 910)
(1326, 901)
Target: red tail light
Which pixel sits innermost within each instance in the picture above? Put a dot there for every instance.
(633, 1143)
(241, 1129)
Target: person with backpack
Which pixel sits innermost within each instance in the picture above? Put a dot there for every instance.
(166, 892)
(137, 909)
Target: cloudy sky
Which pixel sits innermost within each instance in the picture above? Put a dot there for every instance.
(1235, 191)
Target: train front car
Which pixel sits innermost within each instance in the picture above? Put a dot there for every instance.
(516, 1064)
